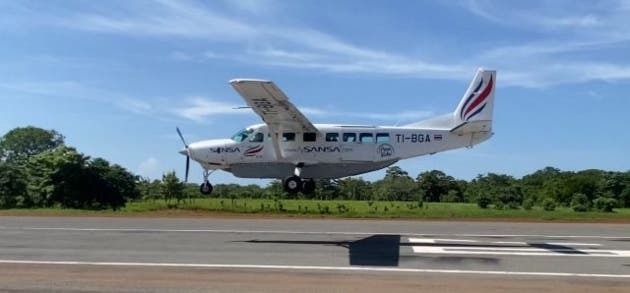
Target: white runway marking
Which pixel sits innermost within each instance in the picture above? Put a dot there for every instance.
(521, 251)
(310, 232)
(436, 240)
(314, 268)
(573, 244)
(524, 248)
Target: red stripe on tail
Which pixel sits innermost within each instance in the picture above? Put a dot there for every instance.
(481, 98)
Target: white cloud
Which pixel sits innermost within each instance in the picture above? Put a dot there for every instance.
(562, 27)
(166, 19)
(136, 106)
(200, 109)
(256, 7)
(180, 56)
(309, 48)
(150, 168)
(397, 116)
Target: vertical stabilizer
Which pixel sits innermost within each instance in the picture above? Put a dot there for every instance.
(474, 112)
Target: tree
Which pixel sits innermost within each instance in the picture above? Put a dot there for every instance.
(605, 204)
(355, 189)
(549, 204)
(326, 189)
(483, 201)
(500, 189)
(70, 179)
(151, 190)
(12, 185)
(395, 172)
(172, 187)
(58, 176)
(21, 143)
(435, 185)
(113, 184)
(580, 202)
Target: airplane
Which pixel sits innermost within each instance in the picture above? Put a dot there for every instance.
(288, 146)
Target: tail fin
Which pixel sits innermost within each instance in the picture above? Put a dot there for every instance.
(474, 113)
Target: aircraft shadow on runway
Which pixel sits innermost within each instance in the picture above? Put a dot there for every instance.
(384, 250)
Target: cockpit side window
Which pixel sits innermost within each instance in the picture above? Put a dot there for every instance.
(242, 135)
(257, 137)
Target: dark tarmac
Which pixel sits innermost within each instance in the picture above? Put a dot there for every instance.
(271, 255)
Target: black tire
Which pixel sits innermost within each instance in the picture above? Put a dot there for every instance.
(308, 186)
(206, 188)
(292, 184)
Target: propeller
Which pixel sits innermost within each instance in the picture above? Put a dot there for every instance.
(187, 153)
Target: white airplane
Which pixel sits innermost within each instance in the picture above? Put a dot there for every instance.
(289, 147)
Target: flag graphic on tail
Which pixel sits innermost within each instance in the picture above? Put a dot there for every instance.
(477, 100)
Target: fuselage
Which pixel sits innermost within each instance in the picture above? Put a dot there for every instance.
(354, 149)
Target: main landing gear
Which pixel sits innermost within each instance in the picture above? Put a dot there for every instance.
(294, 184)
(205, 187)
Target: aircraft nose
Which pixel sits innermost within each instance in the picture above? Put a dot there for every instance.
(184, 152)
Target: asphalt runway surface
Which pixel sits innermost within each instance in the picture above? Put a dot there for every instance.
(91, 254)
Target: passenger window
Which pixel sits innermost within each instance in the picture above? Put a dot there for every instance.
(332, 136)
(309, 136)
(382, 137)
(288, 136)
(349, 137)
(366, 137)
(258, 137)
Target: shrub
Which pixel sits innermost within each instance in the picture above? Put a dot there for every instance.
(579, 202)
(549, 204)
(604, 204)
(483, 201)
(509, 200)
(528, 204)
(451, 196)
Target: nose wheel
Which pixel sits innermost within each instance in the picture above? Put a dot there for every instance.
(206, 187)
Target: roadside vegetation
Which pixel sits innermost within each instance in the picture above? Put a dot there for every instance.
(39, 171)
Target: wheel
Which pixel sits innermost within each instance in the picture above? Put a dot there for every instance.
(308, 186)
(205, 188)
(292, 184)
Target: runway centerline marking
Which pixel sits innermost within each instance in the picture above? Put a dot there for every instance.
(313, 268)
(236, 231)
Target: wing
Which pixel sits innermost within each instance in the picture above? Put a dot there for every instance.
(272, 105)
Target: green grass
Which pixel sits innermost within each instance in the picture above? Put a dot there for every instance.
(336, 208)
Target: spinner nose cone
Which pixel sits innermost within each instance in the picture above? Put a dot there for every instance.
(184, 152)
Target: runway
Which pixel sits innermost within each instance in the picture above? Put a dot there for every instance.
(159, 254)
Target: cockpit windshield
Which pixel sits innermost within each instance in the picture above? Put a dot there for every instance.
(242, 135)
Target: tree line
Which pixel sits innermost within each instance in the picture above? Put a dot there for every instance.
(549, 187)
(37, 169)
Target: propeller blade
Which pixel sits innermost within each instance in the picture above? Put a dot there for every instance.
(181, 137)
(187, 167)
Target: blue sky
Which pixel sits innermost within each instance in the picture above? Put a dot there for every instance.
(116, 77)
